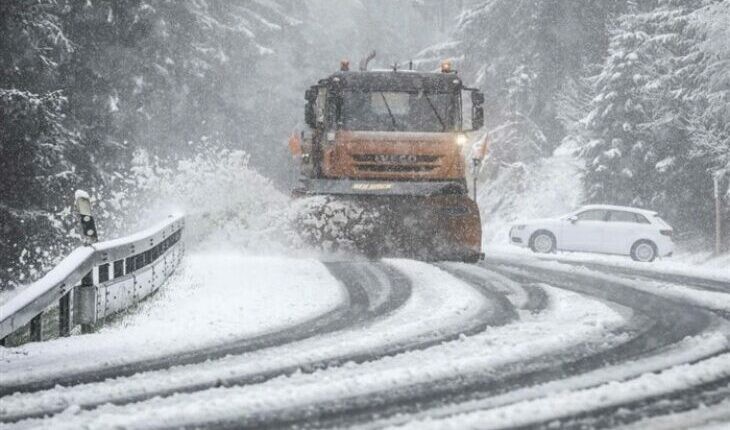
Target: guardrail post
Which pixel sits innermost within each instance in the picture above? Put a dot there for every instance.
(64, 315)
(36, 328)
(87, 303)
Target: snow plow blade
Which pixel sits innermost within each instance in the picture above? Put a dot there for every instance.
(423, 220)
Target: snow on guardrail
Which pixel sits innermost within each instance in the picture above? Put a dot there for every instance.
(92, 283)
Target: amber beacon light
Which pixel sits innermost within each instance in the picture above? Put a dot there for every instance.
(446, 67)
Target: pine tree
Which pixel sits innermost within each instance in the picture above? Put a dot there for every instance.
(38, 146)
(710, 128)
(640, 151)
(85, 84)
(548, 41)
(618, 141)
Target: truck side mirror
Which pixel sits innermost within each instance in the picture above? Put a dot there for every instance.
(477, 110)
(309, 115)
(477, 117)
(477, 98)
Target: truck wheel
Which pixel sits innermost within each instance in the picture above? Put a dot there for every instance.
(644, 251)
(542, 242)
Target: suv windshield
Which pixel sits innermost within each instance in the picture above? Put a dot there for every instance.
(399, 111)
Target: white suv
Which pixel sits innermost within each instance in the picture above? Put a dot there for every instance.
(599, 228)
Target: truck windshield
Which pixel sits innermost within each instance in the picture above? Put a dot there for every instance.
(399, 111)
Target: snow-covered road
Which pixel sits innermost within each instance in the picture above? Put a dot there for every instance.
(514, 341)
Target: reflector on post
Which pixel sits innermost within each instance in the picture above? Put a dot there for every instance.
(82, 203)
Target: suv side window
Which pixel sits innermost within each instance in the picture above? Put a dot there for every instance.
(592, 215)
(621, 216)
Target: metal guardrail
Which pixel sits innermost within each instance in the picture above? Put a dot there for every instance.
(92, 283)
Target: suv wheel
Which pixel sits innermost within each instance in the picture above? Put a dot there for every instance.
(644, 251)
(542, 242)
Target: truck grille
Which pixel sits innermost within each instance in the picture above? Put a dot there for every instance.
(398, 163)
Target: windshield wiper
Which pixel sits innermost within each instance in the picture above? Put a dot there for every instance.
(392, 118)
(433, 108)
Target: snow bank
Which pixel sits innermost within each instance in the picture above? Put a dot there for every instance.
(212, 299)
(706, 259)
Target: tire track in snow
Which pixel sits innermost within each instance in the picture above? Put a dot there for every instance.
(673, 321)
(705, 293)
(697, 397)
(663, 316)
(551, 409)
(532, 296)
(670, 322)
(659, 323)
(339, 410)
(694, 396)
(461, 388)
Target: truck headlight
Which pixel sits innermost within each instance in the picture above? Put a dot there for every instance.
(461, 139)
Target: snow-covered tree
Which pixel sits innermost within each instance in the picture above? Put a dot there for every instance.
(39, 149)
(523, 52)
(709, 119)
(83, 85)
(641, 148)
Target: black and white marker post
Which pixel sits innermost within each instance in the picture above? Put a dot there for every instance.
(87, 226)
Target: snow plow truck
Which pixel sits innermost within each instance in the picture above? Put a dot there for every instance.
(383, 165)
